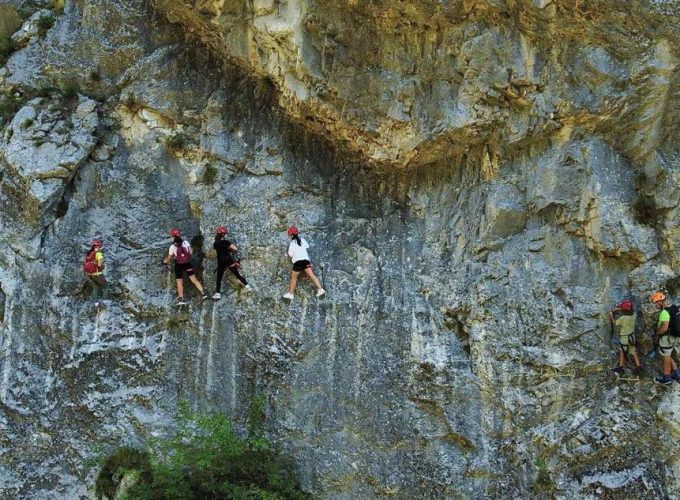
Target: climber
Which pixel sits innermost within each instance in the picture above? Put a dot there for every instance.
(297, 251)
(94, 270)
(625, 327)
(180, 251)
(226, 260)
(197, 255)
(667, 342)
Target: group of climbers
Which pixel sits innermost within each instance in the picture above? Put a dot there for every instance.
(188, 257)
(666, 337)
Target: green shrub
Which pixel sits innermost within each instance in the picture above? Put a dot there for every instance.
(44, 23)
(120, 462)
(26, 123)
(130, 100)
(205, 459)
(59, 6)
(69, 89)
(45, 91)
(10, 22)
(210, 174)
(5, 49)
(8, 108)
(176, 142)
(543, 481)
(94, 75)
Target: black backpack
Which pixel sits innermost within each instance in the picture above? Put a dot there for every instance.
(674, 323)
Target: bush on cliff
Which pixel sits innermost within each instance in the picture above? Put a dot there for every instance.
(204, 458)
(9, 23)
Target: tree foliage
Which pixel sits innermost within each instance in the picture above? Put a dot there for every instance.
(205, 458)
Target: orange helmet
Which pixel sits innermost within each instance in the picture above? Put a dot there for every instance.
(292, 230)
(658, 296)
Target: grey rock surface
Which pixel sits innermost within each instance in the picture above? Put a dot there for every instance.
(479, 181)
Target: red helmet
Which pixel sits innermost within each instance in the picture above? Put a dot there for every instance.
(175, 233)
(97, 243)
(222, 230)
(293, 230)
(625, 305)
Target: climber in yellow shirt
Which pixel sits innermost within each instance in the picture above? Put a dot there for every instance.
(624, 326)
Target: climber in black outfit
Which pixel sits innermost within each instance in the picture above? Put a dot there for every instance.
(226, 260)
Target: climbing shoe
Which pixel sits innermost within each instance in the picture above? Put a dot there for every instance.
(618, 370)
(248, 288)
(288, 296)
(637, 370)
(204, 296)
(675, 375)
(181, 301)
(320, 292)
(664, 380)
(217, 296)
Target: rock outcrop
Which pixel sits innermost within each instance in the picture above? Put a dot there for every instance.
(480, 181)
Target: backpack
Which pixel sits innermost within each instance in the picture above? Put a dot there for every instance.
(674, 323)
(183, 255)
(90, 265)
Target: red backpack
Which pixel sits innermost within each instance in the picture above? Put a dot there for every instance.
(183, 255)
(90, 265)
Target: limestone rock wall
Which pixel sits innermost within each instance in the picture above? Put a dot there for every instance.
(480, 182)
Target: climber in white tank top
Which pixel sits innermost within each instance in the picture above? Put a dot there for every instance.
(297, 251)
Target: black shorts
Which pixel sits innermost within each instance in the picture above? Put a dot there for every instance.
(301, 265)
(180, 269)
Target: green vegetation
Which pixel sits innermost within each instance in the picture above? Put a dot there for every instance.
(203, 459)
(59, 6)
(121, 462)
(210, 174)
(176, 142)
(44, 24)
(69, 89)
(543, 481)
(130, 100)
(26, 123)
(45, 91)
(10, 22)
(94, 75)
(9, 105)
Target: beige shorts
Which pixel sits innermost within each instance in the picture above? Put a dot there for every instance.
(668, 344)
(627, 343)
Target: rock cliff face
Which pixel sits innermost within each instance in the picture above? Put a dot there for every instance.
(480, 181)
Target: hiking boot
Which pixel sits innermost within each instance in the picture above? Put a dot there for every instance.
(675, 375)
(320, 292)
(288, 296)
(618, 370)
(217, 296)
(664, 380)
(248, 288)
